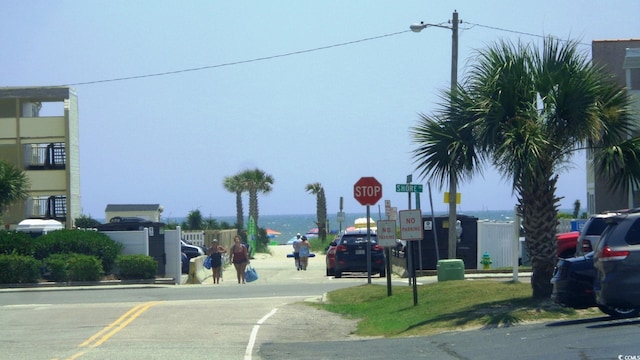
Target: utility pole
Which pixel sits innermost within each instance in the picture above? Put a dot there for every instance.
(453, 181)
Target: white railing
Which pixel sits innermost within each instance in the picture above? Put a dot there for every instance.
(193, 237)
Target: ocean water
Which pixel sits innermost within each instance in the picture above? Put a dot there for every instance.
(289, 225)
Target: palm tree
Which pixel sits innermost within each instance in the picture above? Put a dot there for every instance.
(255, 181)
(235, 185)
(528, 111)
(321, 208)
(446, 152)
(14, 185)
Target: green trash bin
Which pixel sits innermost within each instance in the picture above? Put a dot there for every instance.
(450, 269)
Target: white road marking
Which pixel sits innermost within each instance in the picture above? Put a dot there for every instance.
(254, 334)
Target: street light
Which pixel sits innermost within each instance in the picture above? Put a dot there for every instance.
(454, 81)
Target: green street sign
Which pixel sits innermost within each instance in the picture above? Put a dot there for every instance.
(409, 188)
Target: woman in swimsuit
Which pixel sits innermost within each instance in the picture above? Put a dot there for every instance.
(239, 257)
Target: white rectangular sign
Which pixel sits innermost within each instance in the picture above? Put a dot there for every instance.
(386, 233)
(411, 224)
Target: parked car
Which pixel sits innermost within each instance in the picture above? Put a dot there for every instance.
(573, 282)
(351, 253)
(567, 244)
(192, 250)
(617, 263)
(591, 231)
(185, 263)
(330, 258)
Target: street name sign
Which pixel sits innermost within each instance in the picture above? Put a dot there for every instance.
(409, 188)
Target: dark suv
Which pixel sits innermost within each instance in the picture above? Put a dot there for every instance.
(351, 253)
(617, 262)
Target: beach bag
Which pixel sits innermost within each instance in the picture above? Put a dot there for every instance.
(250, 274)
(207, 262)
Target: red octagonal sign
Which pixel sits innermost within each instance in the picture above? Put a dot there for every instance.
(367, 191)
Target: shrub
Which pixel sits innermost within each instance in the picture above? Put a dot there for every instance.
(18, 242)
(81, 242)
(136, 266)
(16, 268)
(74, 267)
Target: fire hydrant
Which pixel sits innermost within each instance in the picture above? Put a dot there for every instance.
(486, 261)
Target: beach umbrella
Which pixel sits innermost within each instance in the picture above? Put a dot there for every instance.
(252, 234)
(272, 233)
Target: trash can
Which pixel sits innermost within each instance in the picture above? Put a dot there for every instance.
(450, 269)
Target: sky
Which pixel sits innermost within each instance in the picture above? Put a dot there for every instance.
(174, 96)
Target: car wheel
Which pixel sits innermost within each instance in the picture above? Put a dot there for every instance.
(329, 271)
(338, 274)
(383, 273)
(619, 312)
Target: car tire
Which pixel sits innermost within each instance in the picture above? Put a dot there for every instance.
(618, 312)
(337, 274)
(383, 273)
(329, 272)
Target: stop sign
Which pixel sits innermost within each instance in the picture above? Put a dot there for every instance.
(367, 191)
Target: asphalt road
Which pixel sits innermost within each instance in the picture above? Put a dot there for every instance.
(263, 320)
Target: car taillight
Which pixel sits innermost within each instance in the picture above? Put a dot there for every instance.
(586, 246)
(341, 248)
(377, 247)
(608, 254)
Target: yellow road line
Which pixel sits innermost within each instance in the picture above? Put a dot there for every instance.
(103, 335)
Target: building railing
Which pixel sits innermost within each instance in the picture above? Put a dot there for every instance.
(47, 207)
(45, 156)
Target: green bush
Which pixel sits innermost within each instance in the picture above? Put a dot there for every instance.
(18, 242)
(16, 268)
(91, 243)
(136, 266)
(74, 267)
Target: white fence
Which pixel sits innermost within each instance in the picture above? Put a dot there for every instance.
(194, 237)
(498, 239)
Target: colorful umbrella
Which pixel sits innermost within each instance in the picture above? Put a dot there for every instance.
(272, 233)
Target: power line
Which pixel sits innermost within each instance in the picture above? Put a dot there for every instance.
(238, 62)
(264, 58)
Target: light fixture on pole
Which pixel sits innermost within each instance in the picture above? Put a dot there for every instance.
(454, 83)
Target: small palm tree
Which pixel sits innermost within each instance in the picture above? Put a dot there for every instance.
(14, 185)
(235, 185)
(255, 181)
(321, 208)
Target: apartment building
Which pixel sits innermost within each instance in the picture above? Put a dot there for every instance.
(622, 59)
(39, 134)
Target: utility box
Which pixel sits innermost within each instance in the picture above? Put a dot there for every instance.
(466, 241)
(450, 269)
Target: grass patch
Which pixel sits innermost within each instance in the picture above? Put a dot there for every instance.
(443, 306)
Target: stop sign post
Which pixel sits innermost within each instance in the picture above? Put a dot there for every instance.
(368, 191)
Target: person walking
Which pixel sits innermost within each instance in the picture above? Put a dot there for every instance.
(296, 251)
(239, 257)
(215, 252)
(305, 250)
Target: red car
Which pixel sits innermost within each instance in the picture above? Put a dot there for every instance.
(567, 244)
(331, 258)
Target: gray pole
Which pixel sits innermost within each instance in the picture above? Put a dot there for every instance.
(452, 175)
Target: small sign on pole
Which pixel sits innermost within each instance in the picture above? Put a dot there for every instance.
(411, 224)
(386, 233)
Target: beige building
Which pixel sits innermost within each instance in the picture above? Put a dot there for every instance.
(39, 134)
(622, 59)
